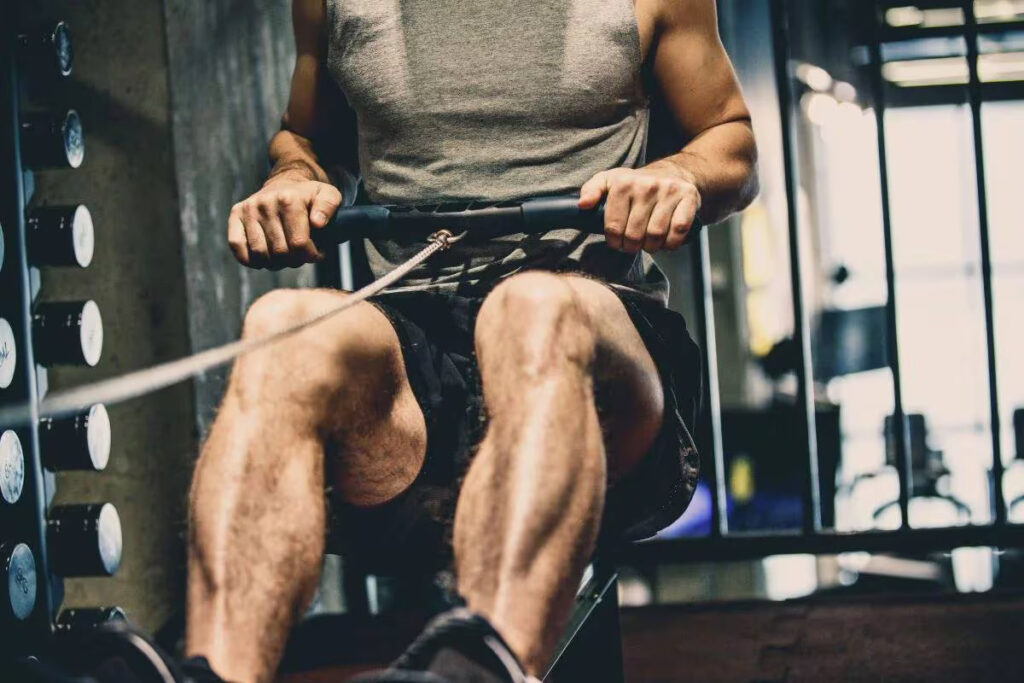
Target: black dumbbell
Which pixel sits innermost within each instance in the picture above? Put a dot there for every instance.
(60, 236)
(68, 333)
(45, 51)
(52, 140)
(78, 618)
(8, 354)
(84, 540)
(12, 468)
(19, 580)
(79, 442)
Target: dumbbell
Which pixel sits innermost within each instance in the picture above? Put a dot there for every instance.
(84, 540)
(60, 236)
(12, 468)
(78, 618)
(46, 51)
(79, 442)
(52, 140)
(68, 333)
(18, 567)
(8, 354)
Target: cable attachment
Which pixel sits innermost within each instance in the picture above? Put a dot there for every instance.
(445, 238)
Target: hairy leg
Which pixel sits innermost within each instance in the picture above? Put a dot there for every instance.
(257, 521)
(530, 507)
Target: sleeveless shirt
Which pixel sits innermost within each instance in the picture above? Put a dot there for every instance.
(493, 100)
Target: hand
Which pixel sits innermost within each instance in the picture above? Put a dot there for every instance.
(271, 229)
(647, 208)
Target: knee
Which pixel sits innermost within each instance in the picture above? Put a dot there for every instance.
(275, 311)
(323, 358)
(536, 314)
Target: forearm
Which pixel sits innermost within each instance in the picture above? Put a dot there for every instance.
(292, 156)
(722, 163)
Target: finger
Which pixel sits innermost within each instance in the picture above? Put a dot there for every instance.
(236, 237)
(593, 190)
(273, 231)
(682, 221)
(259, 253)
(659, 223)
(295, 222)
(326, 200)
(644, 198)
(616, 215)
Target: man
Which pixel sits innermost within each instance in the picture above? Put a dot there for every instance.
(532, 393)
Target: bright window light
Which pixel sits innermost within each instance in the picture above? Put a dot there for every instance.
(909, 15)
(996, 67)
(815, 77)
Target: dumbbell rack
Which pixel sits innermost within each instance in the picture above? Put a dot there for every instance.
(31, 531)
(25, 520)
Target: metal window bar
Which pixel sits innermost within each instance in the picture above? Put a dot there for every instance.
(801, 328)
(901, 435)
(974, 99)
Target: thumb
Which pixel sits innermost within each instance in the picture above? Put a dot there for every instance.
(593, 190)
(326, 200)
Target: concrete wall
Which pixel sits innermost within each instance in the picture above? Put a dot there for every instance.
(230, 64)
(119, 87)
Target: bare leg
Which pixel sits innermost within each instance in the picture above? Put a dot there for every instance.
(537, 483)
(257, 522)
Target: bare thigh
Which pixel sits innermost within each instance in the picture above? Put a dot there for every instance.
(627, 386)
(350, 372)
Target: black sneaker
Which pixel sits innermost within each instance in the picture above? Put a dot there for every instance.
(458, 646)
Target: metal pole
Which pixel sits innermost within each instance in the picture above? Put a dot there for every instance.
(712, 399)
(801, 329)
(974, 97)
(901, 434)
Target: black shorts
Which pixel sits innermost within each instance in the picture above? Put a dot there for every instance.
(436, 334)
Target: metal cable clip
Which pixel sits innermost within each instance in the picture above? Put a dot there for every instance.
(445, 238)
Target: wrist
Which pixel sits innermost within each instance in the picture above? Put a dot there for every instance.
(296, 172)
(672, 168)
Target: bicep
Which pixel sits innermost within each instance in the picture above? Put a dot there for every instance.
(693, 70)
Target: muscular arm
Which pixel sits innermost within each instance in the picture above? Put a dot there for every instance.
(698, 83)
(715, 173)
(272, 227)
(291, 150)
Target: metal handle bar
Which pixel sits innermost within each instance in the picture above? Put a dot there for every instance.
(482, 220)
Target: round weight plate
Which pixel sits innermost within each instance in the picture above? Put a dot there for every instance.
(98, 436)
(62, 48)
(82, 236)
(74, 141)
(8, 354)
(21, 581)
(12, 467)
(91, 333)
(109, 532)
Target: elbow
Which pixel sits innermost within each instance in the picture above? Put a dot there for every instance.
(749, 183)
(750, 188)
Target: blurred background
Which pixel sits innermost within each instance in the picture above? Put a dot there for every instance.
(862, 430)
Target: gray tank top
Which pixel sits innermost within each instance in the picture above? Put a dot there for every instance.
(494, 100)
